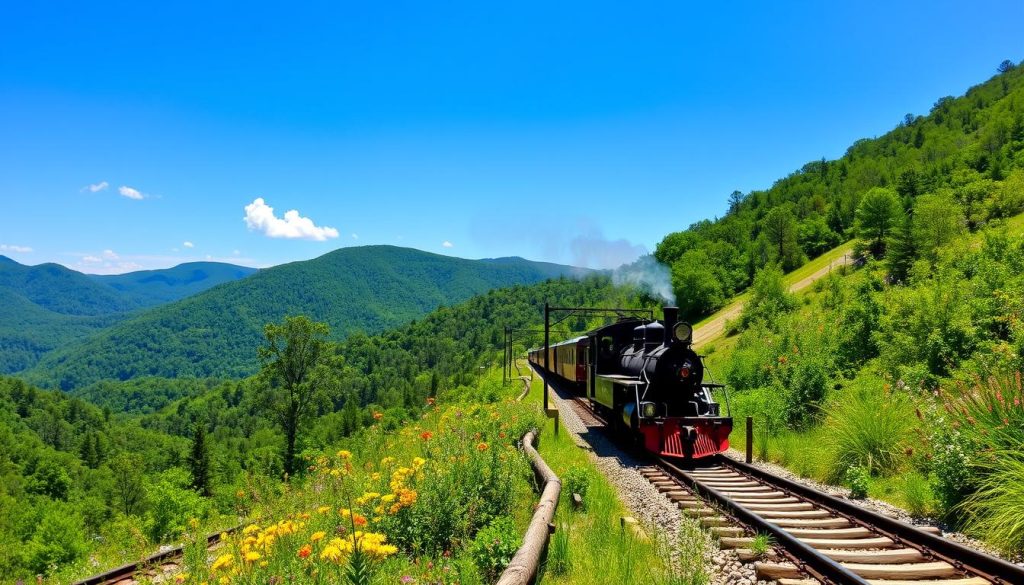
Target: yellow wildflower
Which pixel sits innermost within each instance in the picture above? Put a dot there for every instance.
(222, 562)
(343, 454)
(317, 536)
(252, 556)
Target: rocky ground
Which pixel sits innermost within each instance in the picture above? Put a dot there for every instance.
(653, 510)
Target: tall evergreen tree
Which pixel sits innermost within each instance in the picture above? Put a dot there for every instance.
(901, 251)
(199, 462)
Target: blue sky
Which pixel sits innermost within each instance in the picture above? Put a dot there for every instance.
(571, 132)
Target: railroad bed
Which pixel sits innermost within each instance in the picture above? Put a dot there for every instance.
(816, 537)
(819, 536)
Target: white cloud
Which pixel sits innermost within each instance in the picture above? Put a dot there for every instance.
(96, 187)
(447, 244)
(130, 193)
(91, 259)
(260, 216)
(188, 244)
(14, 248)
(110, 255)
(355, 236)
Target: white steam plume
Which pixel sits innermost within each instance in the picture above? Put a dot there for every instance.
(649, 275)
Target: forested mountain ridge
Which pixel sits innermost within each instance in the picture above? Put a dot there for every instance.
(967, 152)
(154, 287)
(368, 288)
(47, 306)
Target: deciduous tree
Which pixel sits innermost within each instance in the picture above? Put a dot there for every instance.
(293, 352)
(879, 211)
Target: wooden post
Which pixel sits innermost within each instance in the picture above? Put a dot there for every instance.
(553, 413)
(750, 439)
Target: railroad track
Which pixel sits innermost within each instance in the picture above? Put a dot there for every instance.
(819, 537)
(156, 568)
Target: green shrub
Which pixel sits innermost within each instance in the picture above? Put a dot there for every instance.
(576, 481)
(172, 503)
(870, 426)
(57, 541)
(494, 546)
(769, 299)
(857, 481)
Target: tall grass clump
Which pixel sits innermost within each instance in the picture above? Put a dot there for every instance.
(988, 421)
(995, 511)
(870, 426)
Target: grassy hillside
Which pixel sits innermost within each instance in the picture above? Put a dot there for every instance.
(962, 153)
(155, 287)
(213, 334)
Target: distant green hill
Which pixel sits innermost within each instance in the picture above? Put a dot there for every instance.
(155, 287)
(61, 290)
(214, 333)
(48, 306)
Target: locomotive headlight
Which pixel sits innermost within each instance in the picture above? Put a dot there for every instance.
(649, 409)
(682, 332)
(684, 372)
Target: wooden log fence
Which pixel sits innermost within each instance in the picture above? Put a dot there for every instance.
(523, 567)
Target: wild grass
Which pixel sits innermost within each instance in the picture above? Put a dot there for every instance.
(761, 544)
(995, 512)
(870, 426)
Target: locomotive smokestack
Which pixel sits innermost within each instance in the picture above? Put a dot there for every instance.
(671, 316)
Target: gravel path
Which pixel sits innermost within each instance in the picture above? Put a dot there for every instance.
(653, 510)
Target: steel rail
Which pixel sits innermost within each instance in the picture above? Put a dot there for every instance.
(962, 557)
(805, 557)
(131, 569)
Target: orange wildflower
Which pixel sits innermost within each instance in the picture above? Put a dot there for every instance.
(378, 415)
(305, 551)
(481, 447)
(426, 435)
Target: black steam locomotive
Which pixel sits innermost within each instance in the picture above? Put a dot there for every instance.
(647, 381)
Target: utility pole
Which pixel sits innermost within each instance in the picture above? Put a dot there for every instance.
(547, 351)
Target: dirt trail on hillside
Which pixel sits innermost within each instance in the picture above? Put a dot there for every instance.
(714, 328)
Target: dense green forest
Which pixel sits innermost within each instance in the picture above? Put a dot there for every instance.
(69, 470)
(49, 306)
(368, 289)
(155, 287)
(967, 152)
